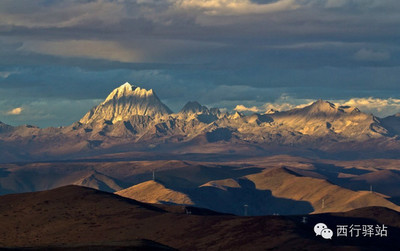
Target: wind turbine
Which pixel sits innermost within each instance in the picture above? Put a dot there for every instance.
(245, 209)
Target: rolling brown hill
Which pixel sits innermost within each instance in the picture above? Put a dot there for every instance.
(269, 185)
(279, 190)
(154, 192)
(98, 181)
(322, 194)
(79, 217)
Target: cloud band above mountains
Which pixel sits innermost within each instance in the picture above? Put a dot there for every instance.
(378, 107)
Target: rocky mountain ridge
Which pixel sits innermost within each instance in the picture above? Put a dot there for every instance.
(124, 102)
(134, 117)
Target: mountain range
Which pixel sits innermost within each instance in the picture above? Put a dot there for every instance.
(309, 160)
(133, 118)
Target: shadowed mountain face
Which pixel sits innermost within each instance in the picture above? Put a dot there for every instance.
(135, 118)
(282, 185)
(77, 217)
(392, 123)
(194, 107)
(272, 191)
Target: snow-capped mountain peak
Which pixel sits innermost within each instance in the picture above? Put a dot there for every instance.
(124, 102)
(127, 90)
(322, 107)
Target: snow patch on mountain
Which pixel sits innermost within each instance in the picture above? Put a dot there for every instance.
(125, 102)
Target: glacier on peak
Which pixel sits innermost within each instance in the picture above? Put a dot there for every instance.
(126, 90)
(124, 102)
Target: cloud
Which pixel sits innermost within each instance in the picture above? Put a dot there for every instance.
(167, 31)
(242, 108)
(282, 106)
(5, 74)
(348, 4)
(48, 112)
(317, 45)
(283, 103)
(109, 50)
(335, 3)
(60, 14)
(267, 107)
(377, 106)
(15, 111)
(371, 55)
(236, 7)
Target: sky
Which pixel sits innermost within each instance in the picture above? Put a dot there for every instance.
(60, 58)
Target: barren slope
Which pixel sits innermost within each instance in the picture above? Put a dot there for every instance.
(154, 192)
(85, 218)
(286, 184)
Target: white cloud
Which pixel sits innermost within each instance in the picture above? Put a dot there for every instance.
(15, 111)
(283, 103)
(371, 55)
(281, 106)
(378, 107)
(5, 74)
(242, 108)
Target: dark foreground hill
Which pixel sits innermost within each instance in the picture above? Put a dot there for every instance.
(78, 217)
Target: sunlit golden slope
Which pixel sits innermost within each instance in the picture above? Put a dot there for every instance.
(154, 192)
(323, 195)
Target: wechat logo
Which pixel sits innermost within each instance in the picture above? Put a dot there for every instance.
(323, 230)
